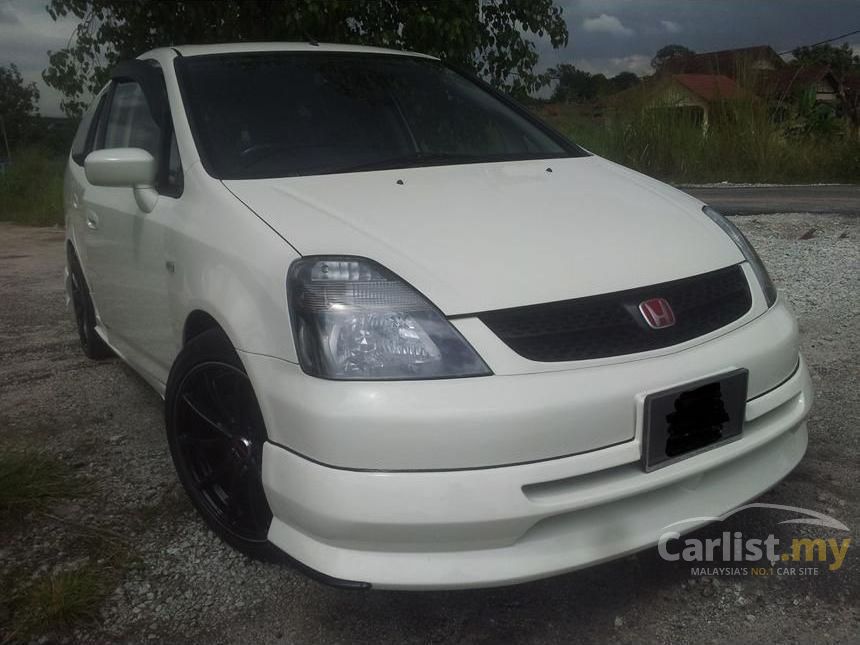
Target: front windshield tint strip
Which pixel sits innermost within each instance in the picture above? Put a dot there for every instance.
(288, 114)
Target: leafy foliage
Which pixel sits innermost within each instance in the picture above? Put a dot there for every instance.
(624, 81)
(578, 86)
(667, 53)
(18, 100)
(840, 60)
(490, 37)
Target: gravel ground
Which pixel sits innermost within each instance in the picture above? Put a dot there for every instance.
(174, 581)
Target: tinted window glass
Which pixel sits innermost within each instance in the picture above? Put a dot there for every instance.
(283, 114)
(129, 121)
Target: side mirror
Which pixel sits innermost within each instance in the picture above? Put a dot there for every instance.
(131, 167)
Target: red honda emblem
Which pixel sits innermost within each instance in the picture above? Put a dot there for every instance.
(657, 313)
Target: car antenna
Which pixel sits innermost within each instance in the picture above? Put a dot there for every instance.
(311, 40)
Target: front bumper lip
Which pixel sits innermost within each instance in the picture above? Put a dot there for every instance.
(506, 525)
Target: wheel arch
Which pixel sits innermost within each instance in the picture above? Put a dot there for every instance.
(197, 322)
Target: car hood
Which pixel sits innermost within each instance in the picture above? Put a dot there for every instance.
(478, 237)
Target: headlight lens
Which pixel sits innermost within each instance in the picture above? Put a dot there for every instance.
(354, 319)
(748, 252)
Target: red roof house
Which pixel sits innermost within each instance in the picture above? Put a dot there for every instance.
(733, 63)
(692, 94)
(710, 87)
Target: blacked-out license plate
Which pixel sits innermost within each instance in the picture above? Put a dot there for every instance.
(692, 418)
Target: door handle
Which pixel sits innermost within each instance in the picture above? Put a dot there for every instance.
(92, 221)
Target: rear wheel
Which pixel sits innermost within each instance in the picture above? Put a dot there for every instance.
(85, 314)
(216, 434)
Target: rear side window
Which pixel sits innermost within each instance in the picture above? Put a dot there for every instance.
(130, 123)
(82, 143)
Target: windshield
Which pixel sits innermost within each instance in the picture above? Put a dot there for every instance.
(295, 113)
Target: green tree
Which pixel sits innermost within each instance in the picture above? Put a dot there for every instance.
(578, 86)
(490, 37)
(574, 85)
(670, 53)
(623, 81)
(18, 101)
(840, 60)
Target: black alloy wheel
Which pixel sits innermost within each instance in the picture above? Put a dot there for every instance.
(216, 434)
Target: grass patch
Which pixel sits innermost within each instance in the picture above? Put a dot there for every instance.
(32, 482)
(31, 190)
(58, 601)
(51, 603)
(63, 584)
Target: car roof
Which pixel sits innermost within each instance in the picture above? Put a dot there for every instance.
(241, 48)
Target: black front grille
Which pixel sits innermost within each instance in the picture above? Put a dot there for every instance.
(611, 324)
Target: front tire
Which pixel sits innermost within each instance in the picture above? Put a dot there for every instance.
(216, 433)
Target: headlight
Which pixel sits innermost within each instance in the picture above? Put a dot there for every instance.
(354, 319)
(748, 251)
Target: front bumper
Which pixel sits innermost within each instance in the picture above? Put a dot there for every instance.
(503, 525)
(523, 414)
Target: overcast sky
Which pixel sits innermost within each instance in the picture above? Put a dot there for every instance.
(611, 36)
(606, 36)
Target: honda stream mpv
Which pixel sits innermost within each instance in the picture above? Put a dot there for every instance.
(407, 334)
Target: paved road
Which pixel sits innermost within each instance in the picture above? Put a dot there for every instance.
(843, 199)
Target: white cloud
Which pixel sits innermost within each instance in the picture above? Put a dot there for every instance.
(606, 24)
(639, 64)
(670, 26)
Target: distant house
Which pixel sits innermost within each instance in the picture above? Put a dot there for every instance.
(791, 81)
(695, 95)
(694, 85)
(734, 63)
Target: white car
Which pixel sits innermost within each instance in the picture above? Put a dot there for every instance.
(409, 335)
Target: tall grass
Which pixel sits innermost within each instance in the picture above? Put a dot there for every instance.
(742, 143)
(31, 190)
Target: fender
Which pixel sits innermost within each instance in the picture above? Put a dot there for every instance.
(240, 282)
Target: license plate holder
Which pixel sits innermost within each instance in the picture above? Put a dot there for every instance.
(692, 418)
